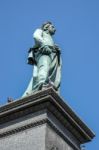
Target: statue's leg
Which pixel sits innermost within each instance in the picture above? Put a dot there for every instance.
(43, 69)
(31, 83)
(29, 88)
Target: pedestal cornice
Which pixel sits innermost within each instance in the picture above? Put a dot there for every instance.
(49, 101)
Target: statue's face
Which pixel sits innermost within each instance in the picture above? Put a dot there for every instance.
(50, 28)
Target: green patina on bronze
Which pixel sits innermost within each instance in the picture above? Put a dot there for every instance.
(46, 60)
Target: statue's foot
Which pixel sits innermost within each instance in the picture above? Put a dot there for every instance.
(45, 86)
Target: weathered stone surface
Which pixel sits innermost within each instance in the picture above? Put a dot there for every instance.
(42, 121)
(55, 142)
(31, 139)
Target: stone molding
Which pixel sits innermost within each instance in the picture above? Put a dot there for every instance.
(35, 124)
(50, 100)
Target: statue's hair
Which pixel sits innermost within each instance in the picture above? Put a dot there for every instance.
(43, 25)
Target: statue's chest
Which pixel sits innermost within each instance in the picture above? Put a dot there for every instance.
(47, 38)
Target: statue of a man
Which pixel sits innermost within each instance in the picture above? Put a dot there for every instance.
(45, 57)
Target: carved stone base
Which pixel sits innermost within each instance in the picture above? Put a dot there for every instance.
(42, 121)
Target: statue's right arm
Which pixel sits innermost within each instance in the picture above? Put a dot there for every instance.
(38, 36)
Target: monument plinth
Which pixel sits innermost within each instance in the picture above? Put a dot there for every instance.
(42, 121)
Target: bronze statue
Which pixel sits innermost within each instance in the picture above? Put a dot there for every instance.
(45, 57)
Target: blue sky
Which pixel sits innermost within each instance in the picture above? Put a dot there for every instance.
(77, 24)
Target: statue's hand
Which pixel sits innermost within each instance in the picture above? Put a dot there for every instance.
(46, 50)
(57, 49)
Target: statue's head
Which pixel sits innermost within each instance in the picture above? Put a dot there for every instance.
(48, 26)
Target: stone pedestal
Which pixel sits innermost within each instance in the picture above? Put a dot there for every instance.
(42, 121)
